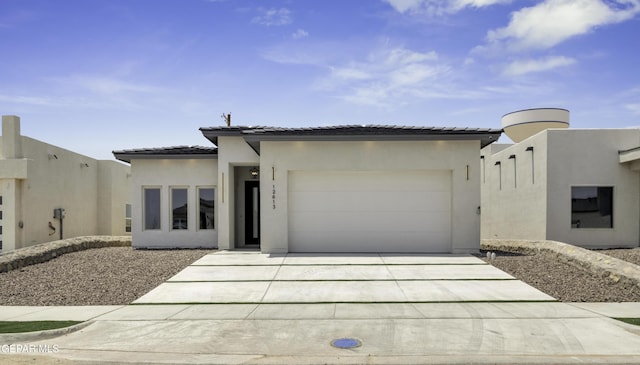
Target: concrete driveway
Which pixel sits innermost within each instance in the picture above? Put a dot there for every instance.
(243, 307)
(252, 278)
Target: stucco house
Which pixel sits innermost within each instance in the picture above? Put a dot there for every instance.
(48, 193)
(326, 189)
(579, 186)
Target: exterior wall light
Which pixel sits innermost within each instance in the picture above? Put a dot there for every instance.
(254, 172)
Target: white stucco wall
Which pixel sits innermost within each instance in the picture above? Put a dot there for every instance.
(164, 174)
(590, 158)
(278, 158)
(514, 192)
(232, 152)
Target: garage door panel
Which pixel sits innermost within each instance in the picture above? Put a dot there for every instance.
(368, 180)
(369, 211)
(372, 201)
(384, 221)
(390, 241)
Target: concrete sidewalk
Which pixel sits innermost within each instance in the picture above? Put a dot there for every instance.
(249, 308)
(318, 311)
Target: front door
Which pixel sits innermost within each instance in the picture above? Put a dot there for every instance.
(252, 212)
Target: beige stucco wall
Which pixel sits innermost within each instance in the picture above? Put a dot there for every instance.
(540, 209)
(41, 182)
(278, 158)
(114, 193)
(164, 174)
(37, 177)
(514, 192)
(590, 158)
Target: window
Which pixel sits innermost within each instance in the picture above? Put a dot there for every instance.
(179, 208)
(127, 218)
(591, 207)
(206, 199)
(151, 208)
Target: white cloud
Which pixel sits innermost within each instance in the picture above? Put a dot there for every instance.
(551, 22)
(402, 6)
(106, 85)
(438, 7)
(300, 33)
(521, 67)
(386, 77)
(31, 100)
(635, 108)
(273, 16)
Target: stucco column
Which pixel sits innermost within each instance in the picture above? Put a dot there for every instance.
(11, 140)
(11, 232)
(225, 213)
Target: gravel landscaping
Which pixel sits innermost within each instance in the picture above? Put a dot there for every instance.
(99, 276)
(119, 275)
(568, 283)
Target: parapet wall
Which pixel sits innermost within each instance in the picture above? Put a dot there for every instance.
(46, 251)
(611, 268)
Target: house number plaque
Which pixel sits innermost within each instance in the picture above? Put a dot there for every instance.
(273, 196)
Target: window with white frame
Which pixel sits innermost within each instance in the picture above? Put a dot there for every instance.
(151, 204)
(179, 208)
(206, 210)
(127, 218)
(592, 207)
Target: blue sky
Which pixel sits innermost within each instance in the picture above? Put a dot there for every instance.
(94, 76)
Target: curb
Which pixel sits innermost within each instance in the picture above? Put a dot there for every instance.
(21, 337)
(607, 267)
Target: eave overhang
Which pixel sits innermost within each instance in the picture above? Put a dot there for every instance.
(254, 135)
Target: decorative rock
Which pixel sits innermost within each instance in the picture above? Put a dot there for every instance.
(601, 265)
(46, 251)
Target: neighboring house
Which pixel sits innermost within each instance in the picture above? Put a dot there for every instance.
(579, 186)
(37, 179)
(326, 189)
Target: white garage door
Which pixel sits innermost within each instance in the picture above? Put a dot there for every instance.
(370, 211)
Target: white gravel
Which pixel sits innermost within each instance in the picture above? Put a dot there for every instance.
(568, 283)
(100, 276)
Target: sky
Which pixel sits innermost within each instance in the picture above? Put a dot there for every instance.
(103, 75)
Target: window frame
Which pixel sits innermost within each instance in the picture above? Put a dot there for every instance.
(144, 208)
(611, 207)
(128, 211)
(171, 208)
(198, 207)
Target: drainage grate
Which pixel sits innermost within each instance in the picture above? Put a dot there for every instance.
(346, 343)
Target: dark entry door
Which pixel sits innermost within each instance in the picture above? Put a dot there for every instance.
(252, 212)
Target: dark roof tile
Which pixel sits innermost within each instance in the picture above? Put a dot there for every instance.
(167, 152)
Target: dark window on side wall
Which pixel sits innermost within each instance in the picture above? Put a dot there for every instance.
(592, 207)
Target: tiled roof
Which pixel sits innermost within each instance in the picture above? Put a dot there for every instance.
(352, 129)
(166, 152)
(351, 132)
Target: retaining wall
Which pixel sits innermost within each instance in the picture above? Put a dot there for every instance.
(46, 251)
(611, 268)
